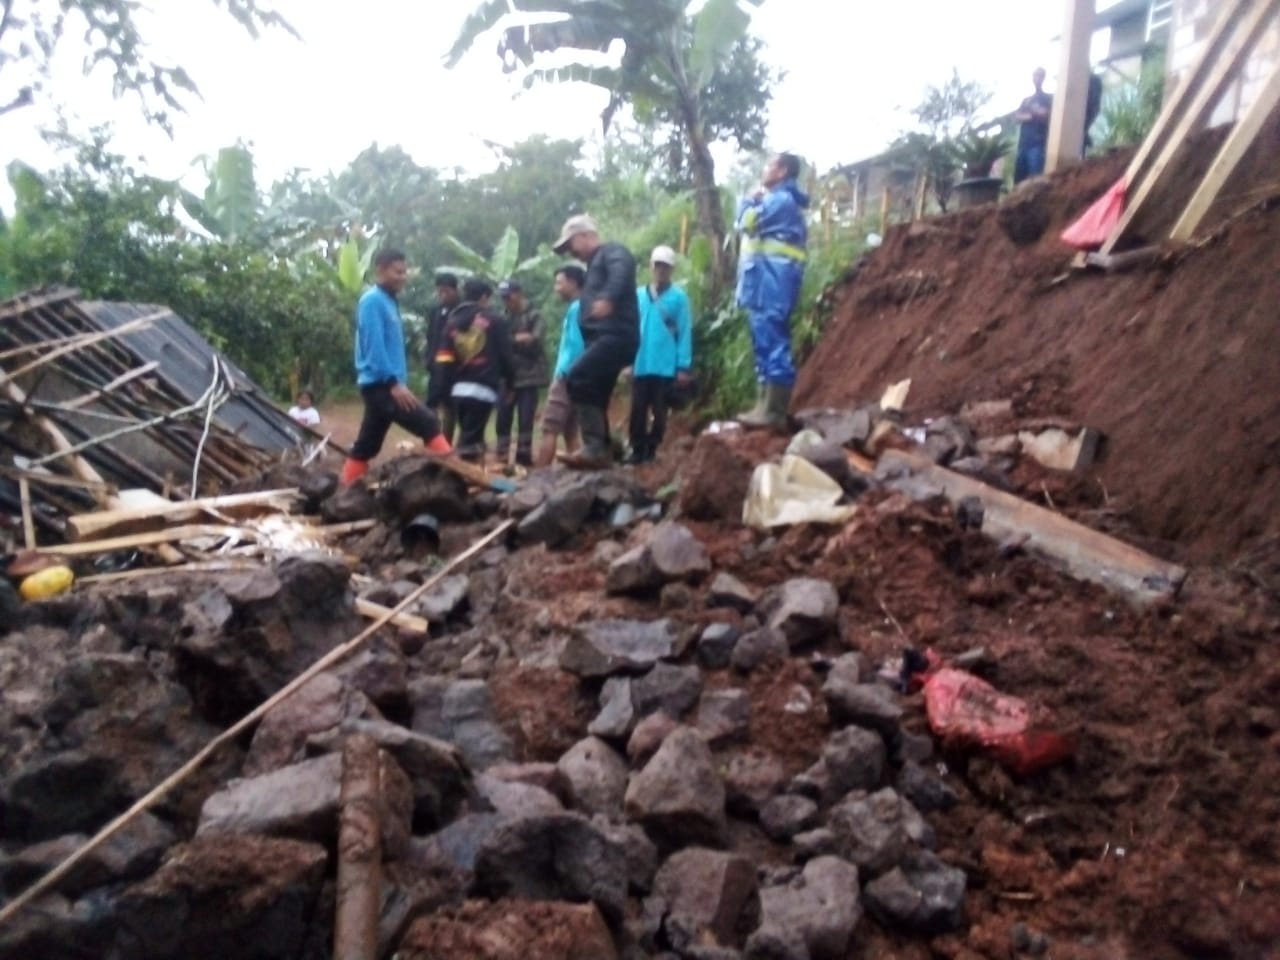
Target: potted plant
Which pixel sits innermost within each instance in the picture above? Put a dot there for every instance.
(976, 153)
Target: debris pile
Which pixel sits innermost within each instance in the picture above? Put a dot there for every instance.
(97, 398)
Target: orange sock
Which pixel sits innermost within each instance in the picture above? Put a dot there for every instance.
(353, 470)
(438, 444)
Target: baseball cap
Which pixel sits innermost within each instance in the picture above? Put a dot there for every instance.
(663, 254)
(575, 226)
(508, 287)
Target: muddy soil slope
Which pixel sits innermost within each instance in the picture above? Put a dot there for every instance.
(1176, 362)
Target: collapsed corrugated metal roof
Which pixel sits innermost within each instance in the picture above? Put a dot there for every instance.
(185, 361)
(127, 395)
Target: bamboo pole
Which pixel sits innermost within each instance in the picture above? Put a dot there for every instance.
(359, 896)
(58, 873)
(28, 525)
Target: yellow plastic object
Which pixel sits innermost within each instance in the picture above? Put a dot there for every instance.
(793, 491)
(49, 582)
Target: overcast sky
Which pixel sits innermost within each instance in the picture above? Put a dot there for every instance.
(373, 72)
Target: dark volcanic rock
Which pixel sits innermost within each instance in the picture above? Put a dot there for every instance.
(563, 857)
(605, 647)
(803, 609)
(679, 795)
(821, 906)
(706, 893)
(924, 895)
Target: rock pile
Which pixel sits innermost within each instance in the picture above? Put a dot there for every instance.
(669, 828)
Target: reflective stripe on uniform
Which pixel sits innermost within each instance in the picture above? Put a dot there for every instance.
(773, 248)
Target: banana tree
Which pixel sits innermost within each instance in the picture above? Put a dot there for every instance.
(504, 262)
(670, 58)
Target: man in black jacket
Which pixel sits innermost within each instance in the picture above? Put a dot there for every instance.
(437, 316)
(474, 360)
(610, 319)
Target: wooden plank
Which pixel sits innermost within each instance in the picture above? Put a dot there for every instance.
(191, 531)
(144, 573)
(1240, 40)
(28, 524)
(1079, 551)
(1192, 81)
(115, 384)
(1066, 121)
(405, 621)
(475, 475)
(137, 519)
(150, 539)
(79, 466)
(1224, 164)
(85, 340)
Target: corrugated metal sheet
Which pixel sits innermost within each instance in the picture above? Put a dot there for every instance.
(186, 365)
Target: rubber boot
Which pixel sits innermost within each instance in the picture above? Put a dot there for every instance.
(353, 470)
(594, 453)
(747, 417)
(773, 413)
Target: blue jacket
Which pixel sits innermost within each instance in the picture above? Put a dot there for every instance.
(380, 356)
(571, 343)
(666, 333)
(774, 234)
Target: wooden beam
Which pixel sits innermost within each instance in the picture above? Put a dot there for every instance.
(1224, 164)
(359, 889)
(1240, 38)
(190, 531)
(137, 519)
(115, 384)
(1066, 121)
(1079, 551)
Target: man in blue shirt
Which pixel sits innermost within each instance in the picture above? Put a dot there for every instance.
(665, 355)
(770, 271)
(558, 419)
(382, 372)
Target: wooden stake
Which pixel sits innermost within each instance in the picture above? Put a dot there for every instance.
(1240, 38)
(28, 525)
(359, 895)
(51, 879)
(1237, 145)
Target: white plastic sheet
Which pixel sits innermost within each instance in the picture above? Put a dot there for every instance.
(790, 492)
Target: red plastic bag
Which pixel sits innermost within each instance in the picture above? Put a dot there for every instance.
(966, 711)
(1095, 224)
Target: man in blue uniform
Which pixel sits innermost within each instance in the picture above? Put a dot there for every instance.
(770, 271)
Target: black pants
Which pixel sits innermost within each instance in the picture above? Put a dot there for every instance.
(648, 398)
(592, 378)
(380, 412)
(473, 421)
(521, 409)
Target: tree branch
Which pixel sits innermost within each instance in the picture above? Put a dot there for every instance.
(25, 97)
(6, 17)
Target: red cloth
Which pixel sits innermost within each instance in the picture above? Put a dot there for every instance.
(1093, 227)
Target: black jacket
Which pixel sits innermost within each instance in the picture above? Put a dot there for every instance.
(475, 348)
(611, 275)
